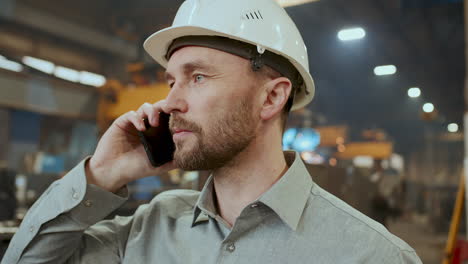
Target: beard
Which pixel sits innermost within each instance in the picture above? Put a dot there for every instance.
(228, 134)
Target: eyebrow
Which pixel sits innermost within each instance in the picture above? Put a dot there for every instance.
(190, 67)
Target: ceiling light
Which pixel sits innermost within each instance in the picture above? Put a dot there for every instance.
(453, 128)
(92, 79)
(10, 65)
(385, 70)
(351, 34)
(414, 92)
(67, 74)
(428, 108)
(287, 3)
(38, 64)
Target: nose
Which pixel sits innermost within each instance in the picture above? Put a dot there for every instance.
(175, 101)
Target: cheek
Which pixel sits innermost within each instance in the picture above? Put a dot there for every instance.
(217, 100)
(204, 101)
(203, 109)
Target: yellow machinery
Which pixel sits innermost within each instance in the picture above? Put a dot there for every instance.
(376, 145)
(116, 98)
(455, 223)
(377, 150)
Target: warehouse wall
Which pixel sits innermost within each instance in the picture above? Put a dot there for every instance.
(24, 137)
(48, 96)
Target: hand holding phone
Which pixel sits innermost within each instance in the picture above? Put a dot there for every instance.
(120, 157)
(157, 141)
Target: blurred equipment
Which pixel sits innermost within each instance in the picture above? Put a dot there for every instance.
(49, 163)
(331, 136)
(304, 138)
(301, 139)
(377, 150)
(456, 252)
(7, 194)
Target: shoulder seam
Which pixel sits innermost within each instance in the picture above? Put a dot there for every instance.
(382, 235)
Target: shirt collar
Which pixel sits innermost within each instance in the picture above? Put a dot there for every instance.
(205, 203)
(287, 197)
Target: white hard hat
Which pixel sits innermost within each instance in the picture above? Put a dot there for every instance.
(262, 23)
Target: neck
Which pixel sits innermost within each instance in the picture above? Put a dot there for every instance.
(247, 177)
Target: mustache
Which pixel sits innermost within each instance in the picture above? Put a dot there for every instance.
(180, 123)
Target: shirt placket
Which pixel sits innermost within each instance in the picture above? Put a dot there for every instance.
(231, 249)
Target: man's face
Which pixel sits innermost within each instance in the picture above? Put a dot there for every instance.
(212, 105)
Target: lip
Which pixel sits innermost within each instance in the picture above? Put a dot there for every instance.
(180, 133)
(178, 130)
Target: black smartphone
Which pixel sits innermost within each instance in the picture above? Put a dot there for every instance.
(157, 141)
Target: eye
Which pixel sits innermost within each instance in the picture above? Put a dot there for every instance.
(199, 78)
(171, 84)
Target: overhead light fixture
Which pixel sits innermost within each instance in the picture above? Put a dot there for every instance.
(38, 64)
(385, 70)
(92, 79)
(414, 92)
(67, 74)
(351, 34)
(287, 3)
(428, 108)
(10, 65)
(452, 128)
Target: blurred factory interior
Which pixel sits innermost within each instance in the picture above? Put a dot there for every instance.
(384, 132)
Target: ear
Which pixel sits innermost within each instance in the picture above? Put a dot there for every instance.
(276, 95)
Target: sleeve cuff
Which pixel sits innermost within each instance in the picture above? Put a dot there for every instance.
(97, 204)
(85, 203)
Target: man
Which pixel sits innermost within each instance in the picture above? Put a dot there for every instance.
(234, 68)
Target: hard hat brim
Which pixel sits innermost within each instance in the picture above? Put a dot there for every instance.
(158, 43)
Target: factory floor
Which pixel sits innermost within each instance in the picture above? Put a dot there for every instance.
(418, 234)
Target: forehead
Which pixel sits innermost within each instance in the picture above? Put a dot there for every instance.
(205, 56)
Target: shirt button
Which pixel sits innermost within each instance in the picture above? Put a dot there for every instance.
(88, 203)
(254, 205)
(230, 247)
(31, 228)
(75, 195)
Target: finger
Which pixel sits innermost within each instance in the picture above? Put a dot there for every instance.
(135, 119)
(157, 108)
(147, 110)
(160, 106)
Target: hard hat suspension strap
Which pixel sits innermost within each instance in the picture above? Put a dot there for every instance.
(242, 49)
(249, 52)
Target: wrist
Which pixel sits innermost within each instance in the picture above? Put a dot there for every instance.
(97, 175)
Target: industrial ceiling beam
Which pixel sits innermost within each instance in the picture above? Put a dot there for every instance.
(14, 11)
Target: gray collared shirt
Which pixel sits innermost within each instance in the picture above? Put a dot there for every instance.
(295, 221)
